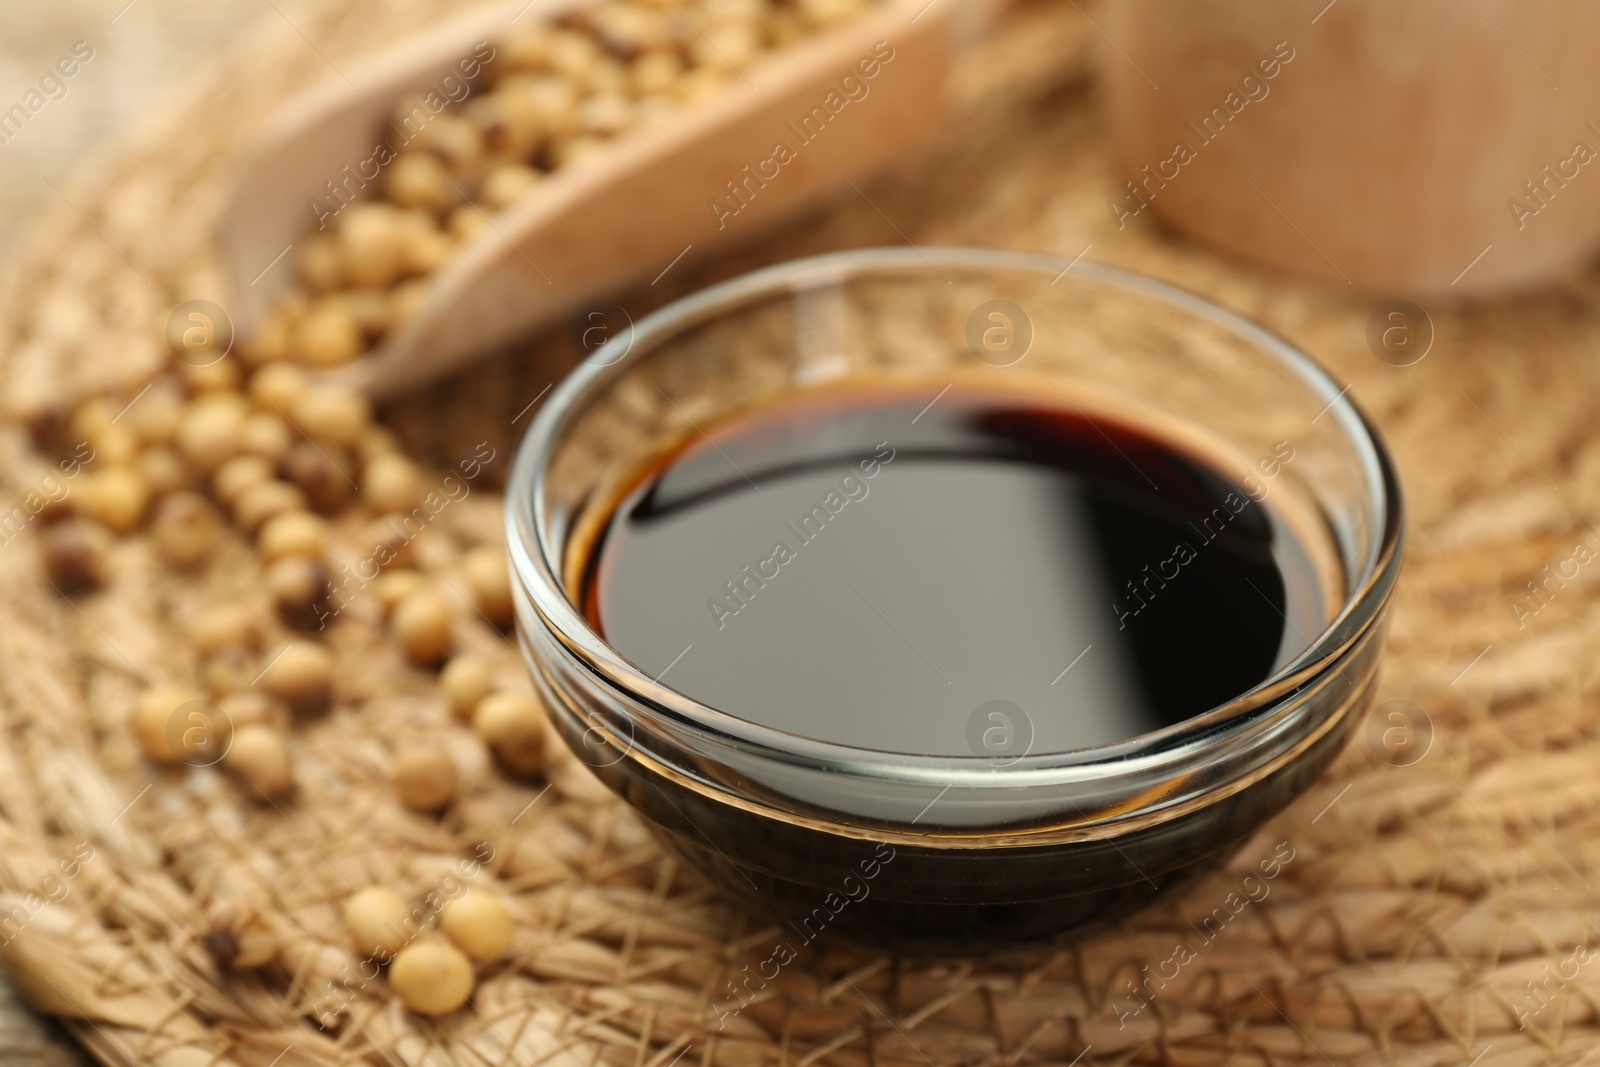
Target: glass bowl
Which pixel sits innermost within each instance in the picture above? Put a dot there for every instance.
(954, 855)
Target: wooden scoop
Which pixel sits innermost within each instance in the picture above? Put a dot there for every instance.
(687, 184)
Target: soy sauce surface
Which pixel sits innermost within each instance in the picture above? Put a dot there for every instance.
(863, 568)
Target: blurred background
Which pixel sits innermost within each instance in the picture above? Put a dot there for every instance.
(141, 51)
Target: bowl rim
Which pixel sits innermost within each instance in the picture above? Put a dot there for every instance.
(536, 563)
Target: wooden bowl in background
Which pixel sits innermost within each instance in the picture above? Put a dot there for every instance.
(1427, 148)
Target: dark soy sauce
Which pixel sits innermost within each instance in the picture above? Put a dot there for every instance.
(857, 566)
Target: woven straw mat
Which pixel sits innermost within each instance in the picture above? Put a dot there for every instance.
(1420, 901)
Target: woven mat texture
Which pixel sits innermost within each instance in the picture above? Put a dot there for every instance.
(1420, 900)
